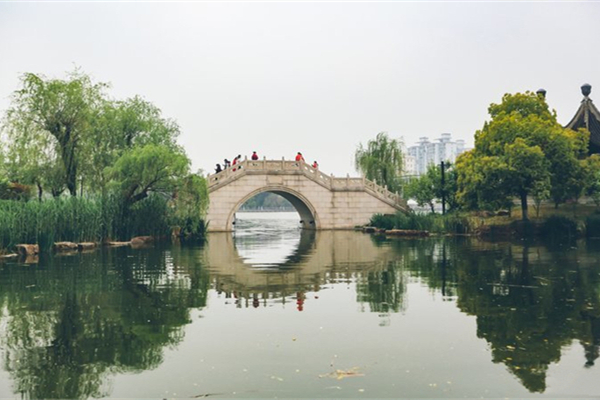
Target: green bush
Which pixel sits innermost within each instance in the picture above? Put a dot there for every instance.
(436, 223)
(453, 223)
(382, 221)
(14, 191)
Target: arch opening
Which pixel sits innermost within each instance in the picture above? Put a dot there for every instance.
(277, 199)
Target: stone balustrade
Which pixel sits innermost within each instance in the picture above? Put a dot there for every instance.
(291, 167)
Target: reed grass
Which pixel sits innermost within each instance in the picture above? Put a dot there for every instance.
(77, 219)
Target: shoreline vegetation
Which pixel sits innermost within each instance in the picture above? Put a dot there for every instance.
(522, 158)
(555, 224)
(79, 166)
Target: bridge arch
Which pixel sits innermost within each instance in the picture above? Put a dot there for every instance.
(308, 214)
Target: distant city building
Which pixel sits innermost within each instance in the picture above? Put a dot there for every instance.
(408, 161)
(425, 153)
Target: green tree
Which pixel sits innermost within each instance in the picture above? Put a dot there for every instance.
(380, 161)
(591, 167)
(191, 203)
(428, 187)
(421, 190)
(151, 168)
(57, 114)
(523, 150)
(120, 126)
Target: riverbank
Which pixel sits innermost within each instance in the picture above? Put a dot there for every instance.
(566, 221)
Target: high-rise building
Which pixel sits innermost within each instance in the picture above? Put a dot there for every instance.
(426, 153)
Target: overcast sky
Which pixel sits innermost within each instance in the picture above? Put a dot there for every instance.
(319, 78)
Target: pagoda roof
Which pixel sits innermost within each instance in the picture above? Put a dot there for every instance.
(587, 116)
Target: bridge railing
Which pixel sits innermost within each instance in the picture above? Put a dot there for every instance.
(329, 181)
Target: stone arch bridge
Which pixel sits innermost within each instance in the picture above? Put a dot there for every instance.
(322, 201)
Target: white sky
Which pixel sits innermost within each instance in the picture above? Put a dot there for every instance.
(319, 78)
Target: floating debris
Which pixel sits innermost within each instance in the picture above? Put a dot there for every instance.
(340, 374)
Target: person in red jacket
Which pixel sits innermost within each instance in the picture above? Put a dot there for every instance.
(254, 156)
(299, 157)
(315, 165)
(235, 161)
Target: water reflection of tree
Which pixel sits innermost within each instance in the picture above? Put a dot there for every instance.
(72, 320)
(529, 302)
(384, 290)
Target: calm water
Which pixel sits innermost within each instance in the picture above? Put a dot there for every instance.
(272, 312)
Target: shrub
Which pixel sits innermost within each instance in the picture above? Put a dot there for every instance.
(450, 223)
(14, 191)
(383, 221)
(453, 223)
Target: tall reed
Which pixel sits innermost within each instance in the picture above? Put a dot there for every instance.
(79, 219)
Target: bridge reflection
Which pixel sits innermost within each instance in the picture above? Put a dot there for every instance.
(319, 258)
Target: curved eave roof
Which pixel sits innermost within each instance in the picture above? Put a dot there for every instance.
(588, 116)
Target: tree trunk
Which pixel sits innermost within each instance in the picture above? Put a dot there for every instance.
(40, 191)
(68, 144)
(524, 206)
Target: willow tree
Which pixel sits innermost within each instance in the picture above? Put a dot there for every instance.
(119, 127)
(56, 109)
(381, 161)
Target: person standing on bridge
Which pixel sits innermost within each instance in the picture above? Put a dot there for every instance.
(237, 160)
(299, 157)
(254, 156)
(226, 164)
(218, 169)
(315, 165)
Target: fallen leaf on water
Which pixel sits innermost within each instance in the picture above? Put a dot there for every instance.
(341, 374)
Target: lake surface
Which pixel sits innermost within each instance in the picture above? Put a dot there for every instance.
(274, 312)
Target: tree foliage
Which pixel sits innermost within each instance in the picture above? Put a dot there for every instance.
(428, 188)
(151, 168)
(61, 109)
(68, 134)
(380, 161)
(523, 151)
